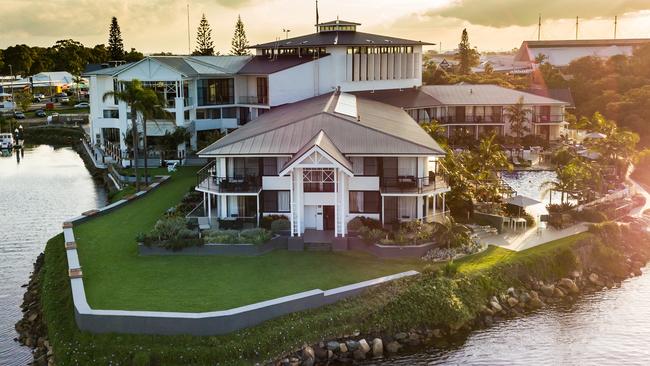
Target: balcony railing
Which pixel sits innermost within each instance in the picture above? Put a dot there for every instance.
(414, 185)
(559, 118)
(207, 179)
(264, 100)
(471, 119)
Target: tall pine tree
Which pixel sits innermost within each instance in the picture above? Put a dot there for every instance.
(204, 45)
(239, 41)
(115, 44)
(467, 56)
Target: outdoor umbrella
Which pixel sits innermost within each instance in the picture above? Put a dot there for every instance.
(591, 155)
(595, 135)
(521, 201)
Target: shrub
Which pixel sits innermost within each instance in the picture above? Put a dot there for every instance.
(450, 269)
(222, 236)
(608, 231)
(373, 236)
(589, 215)
(254, 236)
(559, 208)
(267, 221)
(356, 223)
(280, 225)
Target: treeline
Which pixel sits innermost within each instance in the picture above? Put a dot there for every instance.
(65, 55)
(618, 87)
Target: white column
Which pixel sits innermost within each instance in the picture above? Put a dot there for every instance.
(382, 211)
(209, 208)
(434, 204)
(418, 202)
(257, 203)
(291, 203)
(344, 208)
(443, 202)
(336, 203)
(205, 204)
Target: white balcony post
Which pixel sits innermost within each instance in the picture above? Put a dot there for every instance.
(210, 208)
(336, 203)
(291, 204)
(443, 203)
(204, 202)
(257, 198)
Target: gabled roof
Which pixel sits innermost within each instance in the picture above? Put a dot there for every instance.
(322, 142)
(484, 94)
(340, 39)
(380, 129)
(187, 65)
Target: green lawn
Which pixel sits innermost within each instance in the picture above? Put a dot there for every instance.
(115, 277)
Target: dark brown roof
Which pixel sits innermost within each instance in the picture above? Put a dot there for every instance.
(563, 94)
(586, 42)
(403, 98)
(263, 65)
(340, 39)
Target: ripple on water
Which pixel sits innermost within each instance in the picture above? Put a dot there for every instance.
(36, 196)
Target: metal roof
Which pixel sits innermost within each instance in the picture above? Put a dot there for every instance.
(410, 98)
(340, 38)
(563, 94)
(586, 42)
(473, 94)
(263, 65)
(187, 65)
(380, 129)
(338, 22)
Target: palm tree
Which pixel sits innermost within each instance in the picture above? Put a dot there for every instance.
(150, 106)
(131, 94)
(451, 234)
(77, 79)
(518, 116)
(435, 130)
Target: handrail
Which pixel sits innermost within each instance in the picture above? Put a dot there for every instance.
(208, 180)
(412, 184)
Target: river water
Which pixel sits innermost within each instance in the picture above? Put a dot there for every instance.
(49, 185)
(37, 194)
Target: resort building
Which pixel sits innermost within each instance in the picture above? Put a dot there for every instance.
(560, 53)
(221, 93)
(477, 109)
(322, 162)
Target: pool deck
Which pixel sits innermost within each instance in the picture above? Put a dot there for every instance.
(525, 239)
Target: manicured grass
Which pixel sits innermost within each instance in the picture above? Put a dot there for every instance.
(115, 277)
(499, 256)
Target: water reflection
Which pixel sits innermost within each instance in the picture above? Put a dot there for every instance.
(39, 188)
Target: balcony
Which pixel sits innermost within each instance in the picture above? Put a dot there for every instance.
(208, 181)
(471, 120)
(408, 184)
(255, 100)
(559, 118)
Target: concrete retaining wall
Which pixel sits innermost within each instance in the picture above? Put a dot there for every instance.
(278, 242)
(199, 324)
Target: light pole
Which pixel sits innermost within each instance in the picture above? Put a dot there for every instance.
(286, 33)
(11, 81)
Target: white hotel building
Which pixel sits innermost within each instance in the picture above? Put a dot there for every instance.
(207, 93)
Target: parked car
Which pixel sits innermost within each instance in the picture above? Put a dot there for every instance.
(82, 105)
(19, 115)
(64, 99)
(39, 96)
(40, 113)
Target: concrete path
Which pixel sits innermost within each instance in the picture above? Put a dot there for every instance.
(522, 240)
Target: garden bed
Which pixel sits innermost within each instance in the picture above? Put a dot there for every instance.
(245, 249)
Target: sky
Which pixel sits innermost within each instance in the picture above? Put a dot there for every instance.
(161, 25)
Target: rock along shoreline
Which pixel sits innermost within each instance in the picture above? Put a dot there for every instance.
(517, 301)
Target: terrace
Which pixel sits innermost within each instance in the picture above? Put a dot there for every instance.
(412, 184)
(208, 181)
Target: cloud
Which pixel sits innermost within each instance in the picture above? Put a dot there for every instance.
(505, 13)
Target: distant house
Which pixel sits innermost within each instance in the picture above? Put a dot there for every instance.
(560, 53)
(324, 161)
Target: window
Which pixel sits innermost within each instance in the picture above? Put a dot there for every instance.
(370, 166)
(270, 166)
(216, 91)
(318, 180)
(245, 167)
(111, 113)
(276, 201)
(365, 202)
